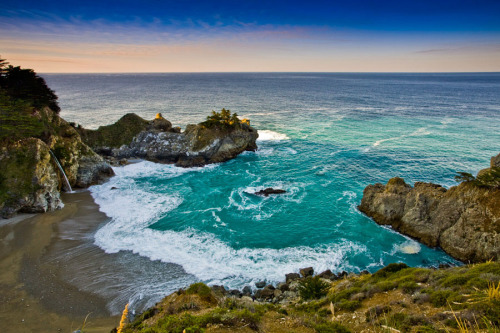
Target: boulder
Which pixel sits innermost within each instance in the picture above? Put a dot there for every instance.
(306, 272)
(292, 277)
(260, 284)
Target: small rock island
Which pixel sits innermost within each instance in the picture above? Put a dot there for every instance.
(222, 137)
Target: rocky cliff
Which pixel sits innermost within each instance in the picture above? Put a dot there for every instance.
(158, 141)
(31, 180)
(463, 220)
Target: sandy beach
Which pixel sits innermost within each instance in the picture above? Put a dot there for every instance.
(35, 295)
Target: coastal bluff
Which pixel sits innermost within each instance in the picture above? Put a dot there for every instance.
(31, 180)
(463, 220)
(220, 138)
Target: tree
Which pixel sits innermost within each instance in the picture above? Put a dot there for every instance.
(26, 85)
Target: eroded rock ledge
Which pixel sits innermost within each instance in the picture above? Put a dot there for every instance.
(464, 220)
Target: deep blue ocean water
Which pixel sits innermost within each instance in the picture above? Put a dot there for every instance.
(323, 138)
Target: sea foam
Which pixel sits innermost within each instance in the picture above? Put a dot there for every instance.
(133, 207)
(267, 135)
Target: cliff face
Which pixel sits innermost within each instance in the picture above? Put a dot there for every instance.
(157, 141)
(31, 181)
(464, 220)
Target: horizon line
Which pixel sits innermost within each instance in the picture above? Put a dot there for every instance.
(279, 72)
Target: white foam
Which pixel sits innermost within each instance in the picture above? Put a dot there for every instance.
(133, 207)
(214, 261)
(267, 135)
(408, 247)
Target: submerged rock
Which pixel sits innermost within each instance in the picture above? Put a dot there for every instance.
(464, 220)
(266, 192)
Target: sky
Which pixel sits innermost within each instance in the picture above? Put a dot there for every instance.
(64, 36)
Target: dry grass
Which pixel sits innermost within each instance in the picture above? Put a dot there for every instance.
(123, 320)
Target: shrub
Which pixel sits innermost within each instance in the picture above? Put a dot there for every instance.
(313, 288)
(348, 305)
(464, 177)
(389, 269)
(223, 119)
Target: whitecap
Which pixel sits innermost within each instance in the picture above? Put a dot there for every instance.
(267, 135)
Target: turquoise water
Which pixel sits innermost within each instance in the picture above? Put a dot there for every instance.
(323, 138)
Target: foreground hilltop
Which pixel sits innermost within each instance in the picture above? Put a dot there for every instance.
(463, 220)
(397, 298)
(222, 137)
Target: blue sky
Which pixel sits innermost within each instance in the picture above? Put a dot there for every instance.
(200, 36)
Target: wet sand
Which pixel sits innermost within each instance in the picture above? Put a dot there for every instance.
(35, 295)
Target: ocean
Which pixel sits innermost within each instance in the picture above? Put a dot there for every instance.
(323, 137)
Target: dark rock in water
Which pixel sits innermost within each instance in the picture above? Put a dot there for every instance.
(114, 188)
(305, 272)
(266, 192)
(260, 284)
(463, 220)
(247, 291)
(328, 274)
(292, 277)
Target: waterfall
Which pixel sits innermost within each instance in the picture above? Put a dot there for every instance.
(62, 170)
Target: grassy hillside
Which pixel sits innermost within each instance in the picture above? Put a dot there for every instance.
(394, 299)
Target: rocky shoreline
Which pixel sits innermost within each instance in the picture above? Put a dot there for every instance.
(463, 220)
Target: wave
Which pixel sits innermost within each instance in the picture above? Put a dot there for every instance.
(267, 135)
(419, 132)
(134, 207)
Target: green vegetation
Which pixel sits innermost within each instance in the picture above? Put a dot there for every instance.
(115, 135)
(26, 85)
(396, 297)
(489, 178)
(223, 119)
(313, 288)
(22, 95)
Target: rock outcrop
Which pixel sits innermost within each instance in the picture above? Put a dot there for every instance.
(158, 141)
(30, 180)
(463, 220)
